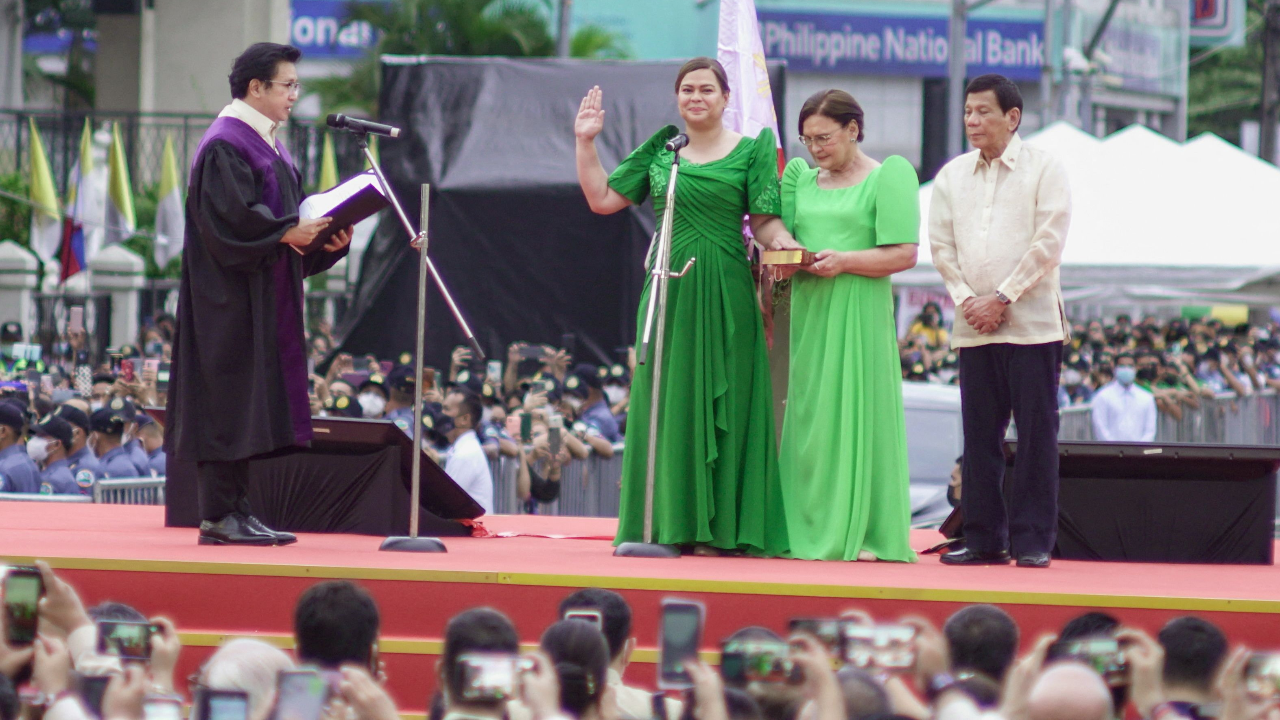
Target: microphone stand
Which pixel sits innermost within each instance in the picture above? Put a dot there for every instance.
(413, 543)
(651, 349)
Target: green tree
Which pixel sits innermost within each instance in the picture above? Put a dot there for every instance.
(510, 28)
(1224, 87)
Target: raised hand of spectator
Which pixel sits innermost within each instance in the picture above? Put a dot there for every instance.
(540, 686)
(166, 646)
(556, 362)
(1146, 668)
(708, 692)
(126, 695)
(820, 683)
(52, 673)
(932, 652)
(1015, 701)
(515, 353)
(461, 356)
(61, 605)
(365, 696)
(343, 363)
(535, 399)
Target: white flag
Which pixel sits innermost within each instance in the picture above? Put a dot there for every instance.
(741, 52)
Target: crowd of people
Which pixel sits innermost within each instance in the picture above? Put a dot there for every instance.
(1095, 668)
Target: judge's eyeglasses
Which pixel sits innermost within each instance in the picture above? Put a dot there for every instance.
(293, 87)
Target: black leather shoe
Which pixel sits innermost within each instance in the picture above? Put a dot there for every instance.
(1034, 560)
(970, 557)
(232, 530)
(282, 538)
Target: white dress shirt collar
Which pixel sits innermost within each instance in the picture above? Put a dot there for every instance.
(261, 124)
(1009, 157)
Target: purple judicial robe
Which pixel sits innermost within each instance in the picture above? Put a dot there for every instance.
(238, 383)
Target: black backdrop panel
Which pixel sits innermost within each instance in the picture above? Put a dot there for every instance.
(510, 231)
(1166, 503)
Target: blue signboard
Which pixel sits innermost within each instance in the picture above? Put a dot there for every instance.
(320, 30)
(886, 45)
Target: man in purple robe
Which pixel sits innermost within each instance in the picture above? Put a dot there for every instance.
(238, 386)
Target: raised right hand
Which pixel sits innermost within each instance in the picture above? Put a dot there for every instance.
(590, 120)
(304, 232)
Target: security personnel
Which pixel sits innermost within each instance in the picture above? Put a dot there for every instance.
(48, 447)
(585, 393)
(107, 430)
(83, 463)
(152, 437)
(18, 474)
(343, 406)
(401, 387)
(132, 443)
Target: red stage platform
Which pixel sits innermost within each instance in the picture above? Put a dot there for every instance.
(125, 553)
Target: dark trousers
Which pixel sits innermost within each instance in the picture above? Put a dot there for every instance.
(996, 380)
(222, 488)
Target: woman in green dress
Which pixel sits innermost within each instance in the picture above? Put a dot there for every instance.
(716, 480)
(844, 447)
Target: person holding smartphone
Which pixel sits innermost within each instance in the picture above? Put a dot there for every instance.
(238, 386)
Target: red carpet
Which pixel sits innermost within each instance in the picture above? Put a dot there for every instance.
(124, 553)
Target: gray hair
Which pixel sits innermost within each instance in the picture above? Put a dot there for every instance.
(250, 666)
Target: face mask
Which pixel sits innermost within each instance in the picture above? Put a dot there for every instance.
(615, 394)
(38, 448)
(444, 427)
(372, 404)
(575, 403)
(1126, 375)
(96, 405)
(1071, 377)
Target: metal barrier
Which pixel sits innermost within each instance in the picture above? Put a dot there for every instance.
(36, 497)
(588, 488)
(129, 491)
(1222, 420)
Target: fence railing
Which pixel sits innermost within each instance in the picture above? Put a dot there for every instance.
(588, 488)
(120, 491)
(1222, 420)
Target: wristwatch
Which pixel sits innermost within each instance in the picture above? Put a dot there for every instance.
(1003, 298)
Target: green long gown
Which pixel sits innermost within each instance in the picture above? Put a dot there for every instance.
(844, 445)
(716, 481)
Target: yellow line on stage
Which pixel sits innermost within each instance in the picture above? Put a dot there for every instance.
(849, 592)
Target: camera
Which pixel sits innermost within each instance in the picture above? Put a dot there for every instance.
(1104, 655)
(126, 640)
(1262, 675)
(301, 695)
(826, 630)
(748, 661)
(678, 641)
(488, 677)
(879, 647)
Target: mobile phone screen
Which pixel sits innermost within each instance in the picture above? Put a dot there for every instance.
(681, 635)
(301, 696)
(125, 640)
(488, 676)
(76, 322)
(526, 428)
(23, 587)
(227, 706)
(162, 709)
(493, 370)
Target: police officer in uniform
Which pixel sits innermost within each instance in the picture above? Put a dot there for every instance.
(83, 463)
(401, 387)
(107, 429)
(343, 406)
(48, 447)
(586, 396)
(18, 473)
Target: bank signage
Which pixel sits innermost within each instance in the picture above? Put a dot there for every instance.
(319, 28)
(885, 45)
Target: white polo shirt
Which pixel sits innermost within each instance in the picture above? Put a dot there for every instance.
(467, 464)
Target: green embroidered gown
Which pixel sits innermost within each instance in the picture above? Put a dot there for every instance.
(844, 446)
(716, 480)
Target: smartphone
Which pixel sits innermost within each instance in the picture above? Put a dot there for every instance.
(428, 378)
(526, 428)
(1262, 675)
(151, 366)
(126, 640)
(116, 360)
(23, 588)
(162, 376)
(493, 370)
(46, 384)
(591, 616)
(300, 695)
(680, 636)
(555, 430)
(162, 707)
(749, 661)
(76, 323)
(569, 343)
(879, 647)
(532, 352)
(220, 705)
(488, 677)
(91, 688)
(1105, 655)
(84, 379)
(126, 371)
(827, 630)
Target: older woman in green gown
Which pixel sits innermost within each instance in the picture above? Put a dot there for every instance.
(844, 445)
(716, 475)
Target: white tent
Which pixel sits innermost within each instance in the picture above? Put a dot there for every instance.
(1157, 221)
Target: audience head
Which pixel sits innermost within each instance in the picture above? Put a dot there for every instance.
(1070, 691)
(615, 618)
(335, 623)
(115, 611)
(864, 697)
(982, 638)
(250, 666)
(479, 630)
(581, 656)
(1193, 650)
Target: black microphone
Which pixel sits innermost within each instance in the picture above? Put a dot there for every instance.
(342, 122)
(675, 144)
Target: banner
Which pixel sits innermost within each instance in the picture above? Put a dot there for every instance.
(318, 28)
(915, 46)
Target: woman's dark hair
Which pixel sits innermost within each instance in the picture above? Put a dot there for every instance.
(1006, 91)
(835, 104)
(704, 63)
(259, 63)
(581, 656)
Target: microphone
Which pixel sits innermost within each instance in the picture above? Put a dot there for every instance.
(675, 144)
(342, 122)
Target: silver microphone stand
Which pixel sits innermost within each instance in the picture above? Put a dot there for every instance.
(413, 543)
(651, 349)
